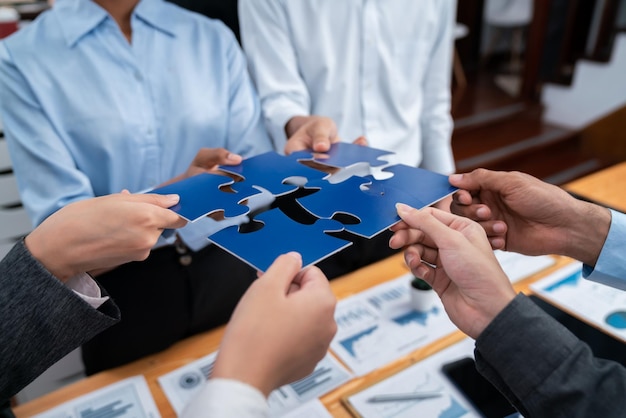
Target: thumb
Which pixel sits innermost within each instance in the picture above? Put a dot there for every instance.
(283, 271)
(476, 180)
(311, 278)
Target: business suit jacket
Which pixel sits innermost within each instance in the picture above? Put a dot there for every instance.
(546, 371)
(41, 320)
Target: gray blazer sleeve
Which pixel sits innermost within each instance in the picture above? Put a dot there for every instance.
(42, 320)
(546, 371)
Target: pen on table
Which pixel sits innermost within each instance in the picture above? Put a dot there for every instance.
(395, 397)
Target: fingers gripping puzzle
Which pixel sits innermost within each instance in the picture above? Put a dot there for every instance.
(350, 190)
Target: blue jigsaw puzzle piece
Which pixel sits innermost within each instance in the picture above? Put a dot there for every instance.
(343, 155)
(374, 201)
(428, 186)
(279, 235)
(272, 172)
(375, 206)
(200, 195)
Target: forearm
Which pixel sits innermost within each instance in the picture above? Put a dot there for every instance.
(247, 133)
(542, 368)
(273, 65)
(43, 320)
(587, 232)
(50, 251)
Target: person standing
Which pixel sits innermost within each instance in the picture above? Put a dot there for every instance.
(378, 69)
(98, 96)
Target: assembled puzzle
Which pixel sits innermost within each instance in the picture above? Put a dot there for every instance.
(312, 197)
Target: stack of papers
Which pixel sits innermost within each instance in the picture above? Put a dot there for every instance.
(600, 305)
(424, 377)
(183, 383)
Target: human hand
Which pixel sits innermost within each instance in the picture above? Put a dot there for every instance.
(281, 328)
(523, 214)
(102, 232)
(362, 140)
(207, 160)
(467, 276)
(310, 132)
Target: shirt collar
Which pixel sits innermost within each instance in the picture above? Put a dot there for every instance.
(80, 17)
(157, 14)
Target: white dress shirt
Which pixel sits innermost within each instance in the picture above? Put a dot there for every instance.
(378, 68)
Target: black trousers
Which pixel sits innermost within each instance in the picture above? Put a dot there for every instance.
(171, 296)
(164, 299)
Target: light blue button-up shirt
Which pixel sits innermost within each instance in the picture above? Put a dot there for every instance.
(86, 113)
(610, 269)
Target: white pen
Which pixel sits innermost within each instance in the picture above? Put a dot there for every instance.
(394, 397)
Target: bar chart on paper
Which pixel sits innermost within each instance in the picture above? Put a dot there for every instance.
(379, 325)
(182, 384)
(129, 398)
(601, 305)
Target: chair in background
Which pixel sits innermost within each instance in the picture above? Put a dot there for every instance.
(508, 16)
(512, 16)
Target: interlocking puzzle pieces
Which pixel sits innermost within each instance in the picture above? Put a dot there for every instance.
(263, 178)
(273, 172)
(279, 235)
(373, 201)
(425, 185)
(368, 199)
(345, 160)
(344, 155)
(279, 175)
(200, 195)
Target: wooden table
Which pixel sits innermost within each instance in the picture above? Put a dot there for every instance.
(606, 187)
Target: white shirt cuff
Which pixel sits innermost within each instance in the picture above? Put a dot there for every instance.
(227, 398)
(87, 288)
